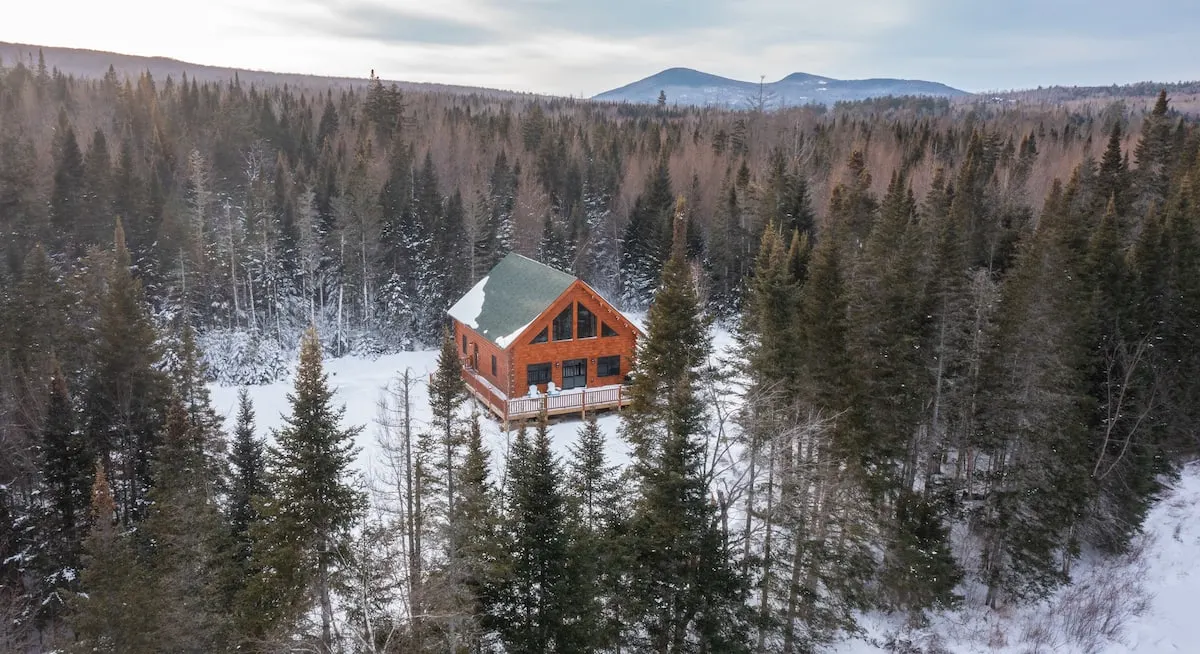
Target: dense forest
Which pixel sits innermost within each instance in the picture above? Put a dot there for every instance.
(973, 320)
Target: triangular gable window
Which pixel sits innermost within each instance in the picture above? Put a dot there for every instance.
(542, 336)
(605, 330)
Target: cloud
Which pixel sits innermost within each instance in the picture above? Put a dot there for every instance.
(588, 46)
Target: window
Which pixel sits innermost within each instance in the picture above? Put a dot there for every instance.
(574, 373)
(464, 343)
(606, 331)
(493, 365)
(585, 323)
(542, 336)
(608, 366)
(537, 373)
(562, 325)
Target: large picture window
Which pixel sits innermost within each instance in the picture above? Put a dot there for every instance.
(562, 325)
(585, 323)
(608, 366)
(537, 373)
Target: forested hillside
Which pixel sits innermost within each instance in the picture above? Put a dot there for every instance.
(970, 320)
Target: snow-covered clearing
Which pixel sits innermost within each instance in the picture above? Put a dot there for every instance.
(360, 383)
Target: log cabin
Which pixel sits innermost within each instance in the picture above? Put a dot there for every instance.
(533, 338)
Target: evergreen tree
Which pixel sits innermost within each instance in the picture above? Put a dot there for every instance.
(647, 237)
(96, 201)
(1034, 417)
(538, 610)
(1154, 154)
(597, 505)
(306, 525)
(111, 611)
(125, 399)
(67, 474)
(66, 210)
(187, 543)
(247, 485)
(1112, 178)
(683, 593)
(474, 533)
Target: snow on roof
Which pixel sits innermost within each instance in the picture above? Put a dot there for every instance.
(468, 308)
(514, 293)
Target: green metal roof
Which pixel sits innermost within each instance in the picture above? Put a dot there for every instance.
(513, 293)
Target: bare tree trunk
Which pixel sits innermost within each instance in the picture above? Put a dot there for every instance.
(323, 591)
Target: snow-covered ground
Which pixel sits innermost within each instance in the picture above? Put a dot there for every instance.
(1144, 603)
(359, 385)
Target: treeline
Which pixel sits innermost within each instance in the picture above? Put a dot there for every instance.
(256, 211)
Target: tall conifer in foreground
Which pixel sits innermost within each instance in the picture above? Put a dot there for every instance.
(125, 401)
(684, 594)
(112, 609)
(187, 557)
(307, 523)
(538, 595)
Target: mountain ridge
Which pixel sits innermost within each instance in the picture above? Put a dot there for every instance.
(688, 86)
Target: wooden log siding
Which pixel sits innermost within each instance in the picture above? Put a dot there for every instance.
(506, 393)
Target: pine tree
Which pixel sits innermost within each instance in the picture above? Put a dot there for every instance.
(538, 610)
(67, 473)
(96, 201)
(306, 524)
(1034, 414)
(247, 485)
(125, 401)
(474, 533)
(683, 590)
(110, 612)
(187, 543)
(646, 239)
(65, 199)
(597, 524)
(1112, 178)
(447, 392)
(1154, 154)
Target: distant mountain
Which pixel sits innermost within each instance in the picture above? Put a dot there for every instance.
(93, 64)
(685, 86)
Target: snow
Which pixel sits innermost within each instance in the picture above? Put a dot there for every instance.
(469, 306)
(1142, 602)
(359, 383)
(505, 340)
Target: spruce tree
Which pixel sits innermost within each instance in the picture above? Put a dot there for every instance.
(597, 525)
(188, 543)
(306, 525)
(67, 474)
(447, 392)
(247, 483)
(114, 604)
(538, 609)
(1034, 414)
(474, 532)
(683, 592)
(124, 404)
(66, 207)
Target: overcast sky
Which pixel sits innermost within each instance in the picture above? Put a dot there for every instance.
(574, 47)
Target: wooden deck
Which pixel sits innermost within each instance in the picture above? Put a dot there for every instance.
(575, 401)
